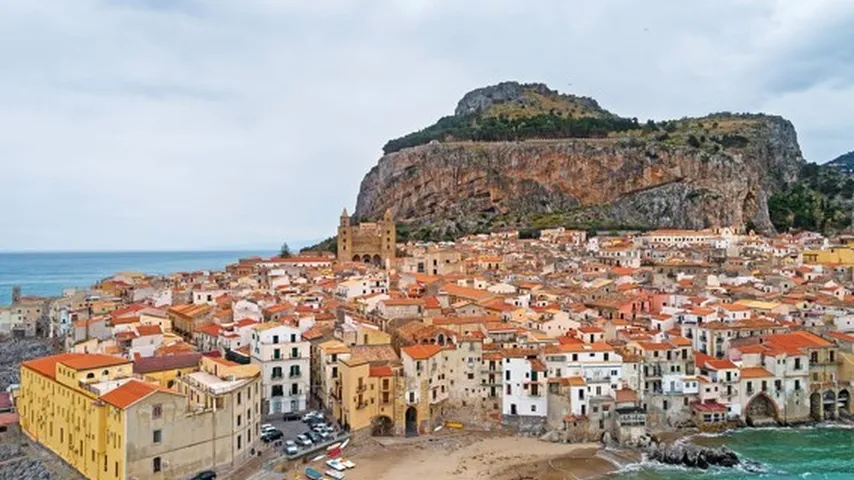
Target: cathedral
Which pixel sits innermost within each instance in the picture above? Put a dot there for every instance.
(367, 242)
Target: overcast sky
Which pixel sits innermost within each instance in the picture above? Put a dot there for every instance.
(175, 124)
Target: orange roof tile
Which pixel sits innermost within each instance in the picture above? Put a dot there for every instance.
(132, 392)
(755, 372)
(421, 352)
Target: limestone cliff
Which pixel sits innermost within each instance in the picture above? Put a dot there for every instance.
(690, 173)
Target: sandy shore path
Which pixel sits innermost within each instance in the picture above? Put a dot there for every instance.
(474, 456)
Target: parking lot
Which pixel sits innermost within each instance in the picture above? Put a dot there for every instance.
(291, 429)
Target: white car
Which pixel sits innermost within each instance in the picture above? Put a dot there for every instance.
(291, 447)
(267, 428)
(304, 440)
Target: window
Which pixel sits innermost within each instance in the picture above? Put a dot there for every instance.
(507, 375)
(239, 418)
(158, 436)
(239, 442)
(156, 464)
(157, 411)
(238, 398)
(533, 408)
(275, 339)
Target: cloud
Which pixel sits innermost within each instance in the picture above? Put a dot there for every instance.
(190, 124)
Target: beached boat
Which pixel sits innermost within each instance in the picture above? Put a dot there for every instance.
(348, 463)
(335, 474)
(333, 446)
(336, 464)
(345, 443)
(313, 474)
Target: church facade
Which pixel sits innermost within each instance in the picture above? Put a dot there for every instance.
(367, 242)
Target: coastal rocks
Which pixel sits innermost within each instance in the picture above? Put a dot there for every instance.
(690, 455)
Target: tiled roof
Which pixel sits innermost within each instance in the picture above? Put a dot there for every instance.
(421, 352)
(131, 392)
(171, 362)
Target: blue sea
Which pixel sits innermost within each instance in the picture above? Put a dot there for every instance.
(819, 453)
(50, 273)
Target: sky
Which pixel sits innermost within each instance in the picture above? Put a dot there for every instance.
(181, 124)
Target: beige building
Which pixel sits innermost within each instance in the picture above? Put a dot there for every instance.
(373, 242)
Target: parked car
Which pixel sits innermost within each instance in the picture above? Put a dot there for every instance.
(291, 417)
(266, 427)
(271, 435)
(291, 447)
(314, 436)
(311, 415)
(304, 440)
(206, 475)
(323, 435)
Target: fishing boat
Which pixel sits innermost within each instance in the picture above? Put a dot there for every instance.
(313, 474)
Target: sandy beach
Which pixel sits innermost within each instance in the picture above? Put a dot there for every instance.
(474, 456)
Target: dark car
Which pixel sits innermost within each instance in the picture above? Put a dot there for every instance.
(271, 435)
(292, 417)
(314, 437)
(206, 475)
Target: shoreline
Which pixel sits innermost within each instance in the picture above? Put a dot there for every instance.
(481, 455)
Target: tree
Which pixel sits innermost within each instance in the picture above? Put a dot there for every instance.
(285, 250)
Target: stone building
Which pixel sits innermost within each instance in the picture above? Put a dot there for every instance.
(367, 242)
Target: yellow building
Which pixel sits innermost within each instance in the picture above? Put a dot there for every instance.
(89, 410)
(831, 256)
(59, 408)
(327, 374)
(367, 389)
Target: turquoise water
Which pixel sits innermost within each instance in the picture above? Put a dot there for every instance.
(50, 273)
(817, 453)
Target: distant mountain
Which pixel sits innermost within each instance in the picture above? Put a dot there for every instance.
(844, 162)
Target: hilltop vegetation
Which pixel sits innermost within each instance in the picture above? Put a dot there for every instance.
(821, 201)
(504, 128)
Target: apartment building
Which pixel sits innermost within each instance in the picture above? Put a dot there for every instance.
(283, 358)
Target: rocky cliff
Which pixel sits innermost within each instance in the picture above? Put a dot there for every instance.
(690, 173)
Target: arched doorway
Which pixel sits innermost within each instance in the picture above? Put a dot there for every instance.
(829, 404)
(411, 422)
(357, 258)
(366, 258)
(761, 409)
(382, 426)
(377, 260)
(815, 406)
(843, 401)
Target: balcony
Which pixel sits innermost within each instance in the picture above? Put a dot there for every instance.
(297, 393)
(361, 388)
(295, 374)
(361, 405)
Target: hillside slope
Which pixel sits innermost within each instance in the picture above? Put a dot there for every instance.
(564, 158)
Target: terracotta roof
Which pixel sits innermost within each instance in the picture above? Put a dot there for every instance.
(78, 361)
(171, 362)
(755, 372)
(421, 352)
(143, 330)
(132, 392)
(380, 371)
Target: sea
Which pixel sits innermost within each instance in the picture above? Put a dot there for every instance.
(824, 452)
(48, 274)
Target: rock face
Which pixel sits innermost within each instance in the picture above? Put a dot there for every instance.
(639, 181)
(690, 455)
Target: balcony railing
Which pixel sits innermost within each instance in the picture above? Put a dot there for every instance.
(361, 388)
(294, 374)
(361, 405)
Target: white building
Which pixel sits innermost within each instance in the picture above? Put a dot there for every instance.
(283, 357)
(525, 383)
